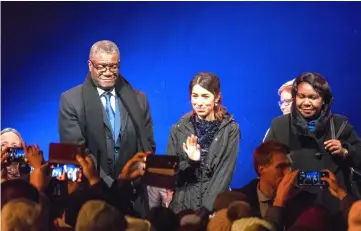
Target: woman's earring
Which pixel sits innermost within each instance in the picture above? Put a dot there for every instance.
(216, 104)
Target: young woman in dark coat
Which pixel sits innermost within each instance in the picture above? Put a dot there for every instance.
(206, 141)
(317, 138)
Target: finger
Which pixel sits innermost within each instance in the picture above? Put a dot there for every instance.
(148, 153)
(330, 175)
(328, 141)
(4, 151)
(88, 160)
(330, 182)
(24, 146)
(327, 146)
(333, 147)
(185, 148)
(29, 151)
(139, 159)
(81, 160)
(188, 141)
(293, 176)
(194, 141)
(335, 152)
(330, 144)
(139, 155)
(198, 147)
(191, 140)
(4, 159)
(136, 173)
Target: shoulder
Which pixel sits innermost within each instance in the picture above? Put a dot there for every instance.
(186, 118)
(231, 122)
(141, 96)
(139, 93)
(281, 120)
(72, 92)
(338, 117)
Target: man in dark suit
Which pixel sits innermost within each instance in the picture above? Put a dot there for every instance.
(108, 116)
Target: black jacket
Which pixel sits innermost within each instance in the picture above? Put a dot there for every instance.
(200, 190)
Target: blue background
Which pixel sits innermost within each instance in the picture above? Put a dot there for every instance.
(254, 47)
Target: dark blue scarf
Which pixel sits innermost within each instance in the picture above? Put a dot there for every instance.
(311, 125)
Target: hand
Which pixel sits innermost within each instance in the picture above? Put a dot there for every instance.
(89, 169)
(284, 188)
(39, 179)
(129, 173)
(72, 186)
(335, 147)
(333, 186)
(4, 157)
(192, 149)
(33, 155)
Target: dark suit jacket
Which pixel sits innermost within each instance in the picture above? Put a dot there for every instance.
(74, 127)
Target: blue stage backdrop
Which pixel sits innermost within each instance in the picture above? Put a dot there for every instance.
(254, 47)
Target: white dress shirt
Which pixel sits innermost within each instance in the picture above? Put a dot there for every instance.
(112, 98)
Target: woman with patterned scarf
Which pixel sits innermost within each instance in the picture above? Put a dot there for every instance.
(317, 138)
(206, 141)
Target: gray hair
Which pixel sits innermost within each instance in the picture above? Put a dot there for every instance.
(103, 46)
(13, 130)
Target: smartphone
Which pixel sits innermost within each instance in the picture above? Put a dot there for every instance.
(16, 154)
(64, 153)
(63, 172)
(311, 178)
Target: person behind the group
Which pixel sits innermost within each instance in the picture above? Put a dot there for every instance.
(285, 93)
(317, 138)
(285, 102)
(206, 142)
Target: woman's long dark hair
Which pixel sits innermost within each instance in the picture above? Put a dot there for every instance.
(210, 82)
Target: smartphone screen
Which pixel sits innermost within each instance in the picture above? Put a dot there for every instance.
(311, 178)
(62, 172)
(16, 153)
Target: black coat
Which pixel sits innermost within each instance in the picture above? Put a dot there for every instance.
(308, 152)
(196, 190)
(82, 119)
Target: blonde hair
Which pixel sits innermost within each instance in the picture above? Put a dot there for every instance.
(286, 85)
(22, 215)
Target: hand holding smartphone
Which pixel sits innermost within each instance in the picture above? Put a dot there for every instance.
(62, 162)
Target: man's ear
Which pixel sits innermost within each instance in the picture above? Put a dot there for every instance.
(261, 170)
(90, 65)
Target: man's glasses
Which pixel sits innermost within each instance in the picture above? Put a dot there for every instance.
(103, 68)
(285, 102)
